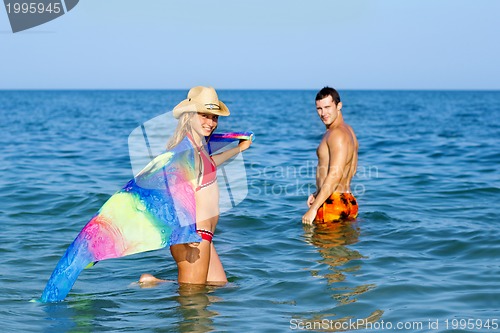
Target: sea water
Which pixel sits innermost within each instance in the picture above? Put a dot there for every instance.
(423, 254)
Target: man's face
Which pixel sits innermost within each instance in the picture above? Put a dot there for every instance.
(327, 110)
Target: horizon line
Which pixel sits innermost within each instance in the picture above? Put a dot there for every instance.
(251, 89)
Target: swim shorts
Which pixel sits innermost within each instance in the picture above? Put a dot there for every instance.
(339, 206)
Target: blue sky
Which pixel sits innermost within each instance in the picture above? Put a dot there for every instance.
(277, 44)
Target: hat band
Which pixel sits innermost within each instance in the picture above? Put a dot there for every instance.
(212, 106)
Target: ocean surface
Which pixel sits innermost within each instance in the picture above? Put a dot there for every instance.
(423, 255)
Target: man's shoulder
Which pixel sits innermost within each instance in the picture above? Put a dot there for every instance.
(338, 134)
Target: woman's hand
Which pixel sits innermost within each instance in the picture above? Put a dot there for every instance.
(244, 145)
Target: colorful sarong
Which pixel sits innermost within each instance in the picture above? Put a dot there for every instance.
(339, 206)
(155, 209)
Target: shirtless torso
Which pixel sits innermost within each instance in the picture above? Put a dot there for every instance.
(340, 140)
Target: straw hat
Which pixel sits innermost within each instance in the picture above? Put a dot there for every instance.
(201, 99)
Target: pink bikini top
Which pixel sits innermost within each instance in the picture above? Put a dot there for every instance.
(208, 168)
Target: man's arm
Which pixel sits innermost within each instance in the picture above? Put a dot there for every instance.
(337, 149)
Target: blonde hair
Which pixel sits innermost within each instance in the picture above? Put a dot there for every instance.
(183, 127)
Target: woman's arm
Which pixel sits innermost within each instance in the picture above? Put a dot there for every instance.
(223, 157)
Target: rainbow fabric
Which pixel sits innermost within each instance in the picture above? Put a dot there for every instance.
(154, 210)
(229, 137)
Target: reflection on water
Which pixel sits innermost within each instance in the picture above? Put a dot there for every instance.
(331, 240)
(167, 310)
(193, 303)
(80, 315)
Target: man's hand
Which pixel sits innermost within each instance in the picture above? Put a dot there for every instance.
(309, 217)
(310, 200)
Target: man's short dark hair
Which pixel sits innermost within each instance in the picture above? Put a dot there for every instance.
(328, 91)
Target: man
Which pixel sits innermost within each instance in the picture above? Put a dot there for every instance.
(337, 161)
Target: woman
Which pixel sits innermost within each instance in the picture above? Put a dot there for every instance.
(199, 263)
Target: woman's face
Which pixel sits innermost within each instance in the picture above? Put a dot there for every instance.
(204, 123)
